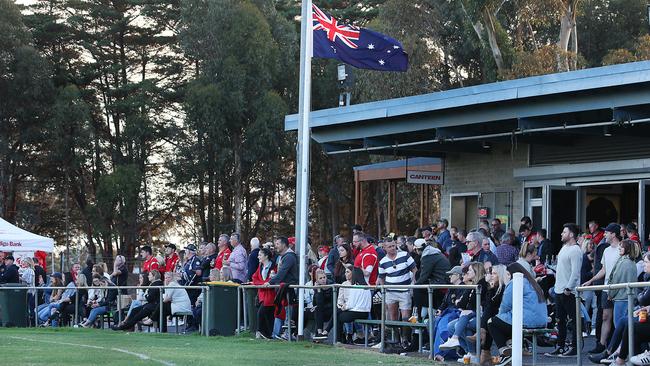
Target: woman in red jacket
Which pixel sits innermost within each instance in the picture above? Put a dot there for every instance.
(265, 295)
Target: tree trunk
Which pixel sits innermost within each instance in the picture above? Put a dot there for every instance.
(491, 31)
(567, 24)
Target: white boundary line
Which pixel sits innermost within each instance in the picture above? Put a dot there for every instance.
(139, 355)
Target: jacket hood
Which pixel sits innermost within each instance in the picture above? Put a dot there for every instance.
(429, 250)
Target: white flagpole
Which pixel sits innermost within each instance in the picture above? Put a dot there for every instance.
(304, 137)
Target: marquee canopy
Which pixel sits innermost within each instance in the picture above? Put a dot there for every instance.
(15, 239)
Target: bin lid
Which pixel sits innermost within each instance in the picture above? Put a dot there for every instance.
(222, 283)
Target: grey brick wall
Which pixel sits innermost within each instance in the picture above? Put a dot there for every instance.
(485, 173)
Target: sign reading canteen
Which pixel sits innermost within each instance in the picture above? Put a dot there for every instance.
(422, 177)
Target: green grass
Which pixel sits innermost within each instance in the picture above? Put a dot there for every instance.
(67, 346)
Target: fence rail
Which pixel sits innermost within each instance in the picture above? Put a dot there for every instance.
(631, 297)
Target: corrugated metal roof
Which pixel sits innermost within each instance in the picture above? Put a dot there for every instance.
(512, 90)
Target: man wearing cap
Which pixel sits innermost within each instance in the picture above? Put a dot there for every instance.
(150, 261)
(433, 268)
(191, 274)
(608, 261)
(10, 272)
(171, 258)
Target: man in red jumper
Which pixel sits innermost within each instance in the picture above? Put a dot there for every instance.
(367, 258)
(150, 261)
(171, 258)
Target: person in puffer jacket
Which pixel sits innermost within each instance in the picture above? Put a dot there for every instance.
(433, 269)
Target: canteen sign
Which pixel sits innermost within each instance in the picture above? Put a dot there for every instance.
(421, 177)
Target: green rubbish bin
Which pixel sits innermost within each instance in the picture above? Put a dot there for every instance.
(13, 305)
(219, 314)
(251, 308)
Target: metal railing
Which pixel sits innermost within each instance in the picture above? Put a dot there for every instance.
(241, 303)
(382, 289)
(37, 289)
(631, 297)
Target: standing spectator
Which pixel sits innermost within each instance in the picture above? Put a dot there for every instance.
(496, 232)
(398, 268)
(506, 252)
(253, 258)
(444, 237)
(567, 278)
(323, 251)
(624, 271)
(333, 256)
(76, 269)
(525, 234)
(191, 272)
(120, 272)
(367, 258)
(586, 272)
(632, 232)
(287, 264)
(610, 255)
(224, 251)
(171, 258)
(458, 247)
(264, 295)
(209, 261)
(150, 261)
(426, 232)
(597, 234)
(88, 270)
(434, 268)
(345, 257)
(10, 272)
(543, 245)
(237, 260)
(28, 278)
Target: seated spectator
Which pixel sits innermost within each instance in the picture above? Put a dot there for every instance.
(342, 298)
(446, 313)
(102, 307)
(534, 312)
(497, 282)
(264, 295)
(322, 303)
(357, 305)
(77, 300)
(527, 254)
(152, 297)
(51, 311)
(143, 280)
(215, 275)
(175, 300)
(473, 274)
(486, 254)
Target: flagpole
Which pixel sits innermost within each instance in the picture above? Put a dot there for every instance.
(304, 137)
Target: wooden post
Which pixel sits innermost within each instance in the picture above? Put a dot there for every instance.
(392, 206)
(358, 200)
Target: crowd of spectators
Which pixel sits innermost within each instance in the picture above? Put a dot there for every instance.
(486, 258)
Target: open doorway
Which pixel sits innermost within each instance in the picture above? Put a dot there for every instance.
(464, 211)
(612, 203)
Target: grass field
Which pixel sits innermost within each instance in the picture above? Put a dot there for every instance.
(66, 346)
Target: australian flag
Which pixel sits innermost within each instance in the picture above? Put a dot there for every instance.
(359, 47)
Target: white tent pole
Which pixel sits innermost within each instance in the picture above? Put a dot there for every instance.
(517, 318)
(304, 136)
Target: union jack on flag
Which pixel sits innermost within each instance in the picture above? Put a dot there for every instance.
(359, 47)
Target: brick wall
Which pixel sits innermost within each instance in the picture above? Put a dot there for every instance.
(485, 173)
